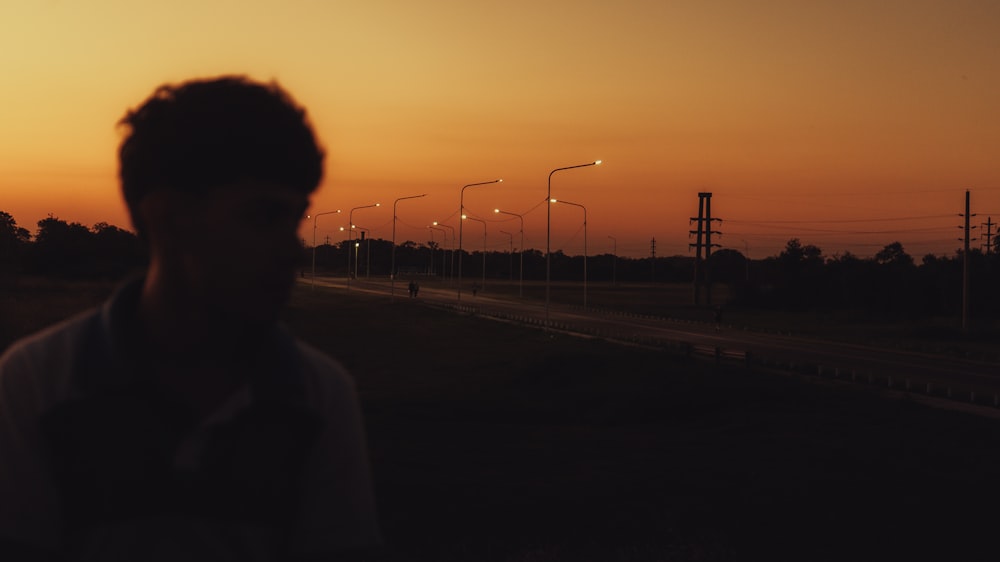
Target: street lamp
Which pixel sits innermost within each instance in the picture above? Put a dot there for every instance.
(444, 235)
(483, 286)
(461, 213)
(614, 259)
(392, 266)
(584, 244)
(350, 231)
(510, 252)
(548, 231)
(451, 270)
(366, 235)
(314, 217)
(520, 253)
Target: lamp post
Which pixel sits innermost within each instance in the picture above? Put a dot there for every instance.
(451, 270)
(548, 231)
(357, 244)
(444, 235)
(584, 244)
(350, 232)
(366, 234)
(461, 213)
(392, 266)
(614, 259)
(314, 217)
(520, 253)
(510, 252)
(483, 286)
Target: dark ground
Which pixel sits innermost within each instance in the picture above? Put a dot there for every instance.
(492, 442)
(495, 442)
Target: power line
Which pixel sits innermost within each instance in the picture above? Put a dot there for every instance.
(861, 232)
(841, 221)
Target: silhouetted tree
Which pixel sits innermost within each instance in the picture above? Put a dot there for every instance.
(62, 249)
(893, 254)
(13, 240)
(796, 276)
(895, 282)
(409, 257)
(728, 266)
(116, 252)
(71, 250)
(534, 264)
(848, 281)
(10, 233)
(795, 255)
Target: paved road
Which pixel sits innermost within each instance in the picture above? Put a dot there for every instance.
(887, 367)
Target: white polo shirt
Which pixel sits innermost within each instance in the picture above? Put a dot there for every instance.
(95, 465)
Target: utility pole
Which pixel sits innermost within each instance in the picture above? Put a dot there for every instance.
(990, 243)
(965, 265)
(697, 245)
(652, 259)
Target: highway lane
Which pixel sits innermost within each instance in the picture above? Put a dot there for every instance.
(804, 354)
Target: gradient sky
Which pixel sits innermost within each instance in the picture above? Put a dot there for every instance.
(847, 124)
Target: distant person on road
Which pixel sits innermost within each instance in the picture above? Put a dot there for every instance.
(718, 317)
(180, 420)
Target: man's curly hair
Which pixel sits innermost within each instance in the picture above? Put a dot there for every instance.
(210, 132)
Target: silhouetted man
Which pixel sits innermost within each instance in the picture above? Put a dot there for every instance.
(180, 421)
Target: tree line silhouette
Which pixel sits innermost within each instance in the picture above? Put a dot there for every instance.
(889, 284)
(69, 250)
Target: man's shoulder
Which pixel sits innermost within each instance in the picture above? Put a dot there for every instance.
(317, 363)
(322, 373)
(55, 344)
(41, 365)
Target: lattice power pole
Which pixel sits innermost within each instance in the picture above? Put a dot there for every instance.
(697, 245)
(708, 246)
(990, 242)
(703, 240)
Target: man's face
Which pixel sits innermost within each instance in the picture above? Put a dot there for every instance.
(240, 250)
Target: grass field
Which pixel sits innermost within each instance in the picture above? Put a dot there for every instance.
(492, 442)
(28, 305)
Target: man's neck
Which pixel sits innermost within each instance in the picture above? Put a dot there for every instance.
(177, 324)
(195, 354)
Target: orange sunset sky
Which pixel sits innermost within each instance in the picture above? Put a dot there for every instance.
(848, 124)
